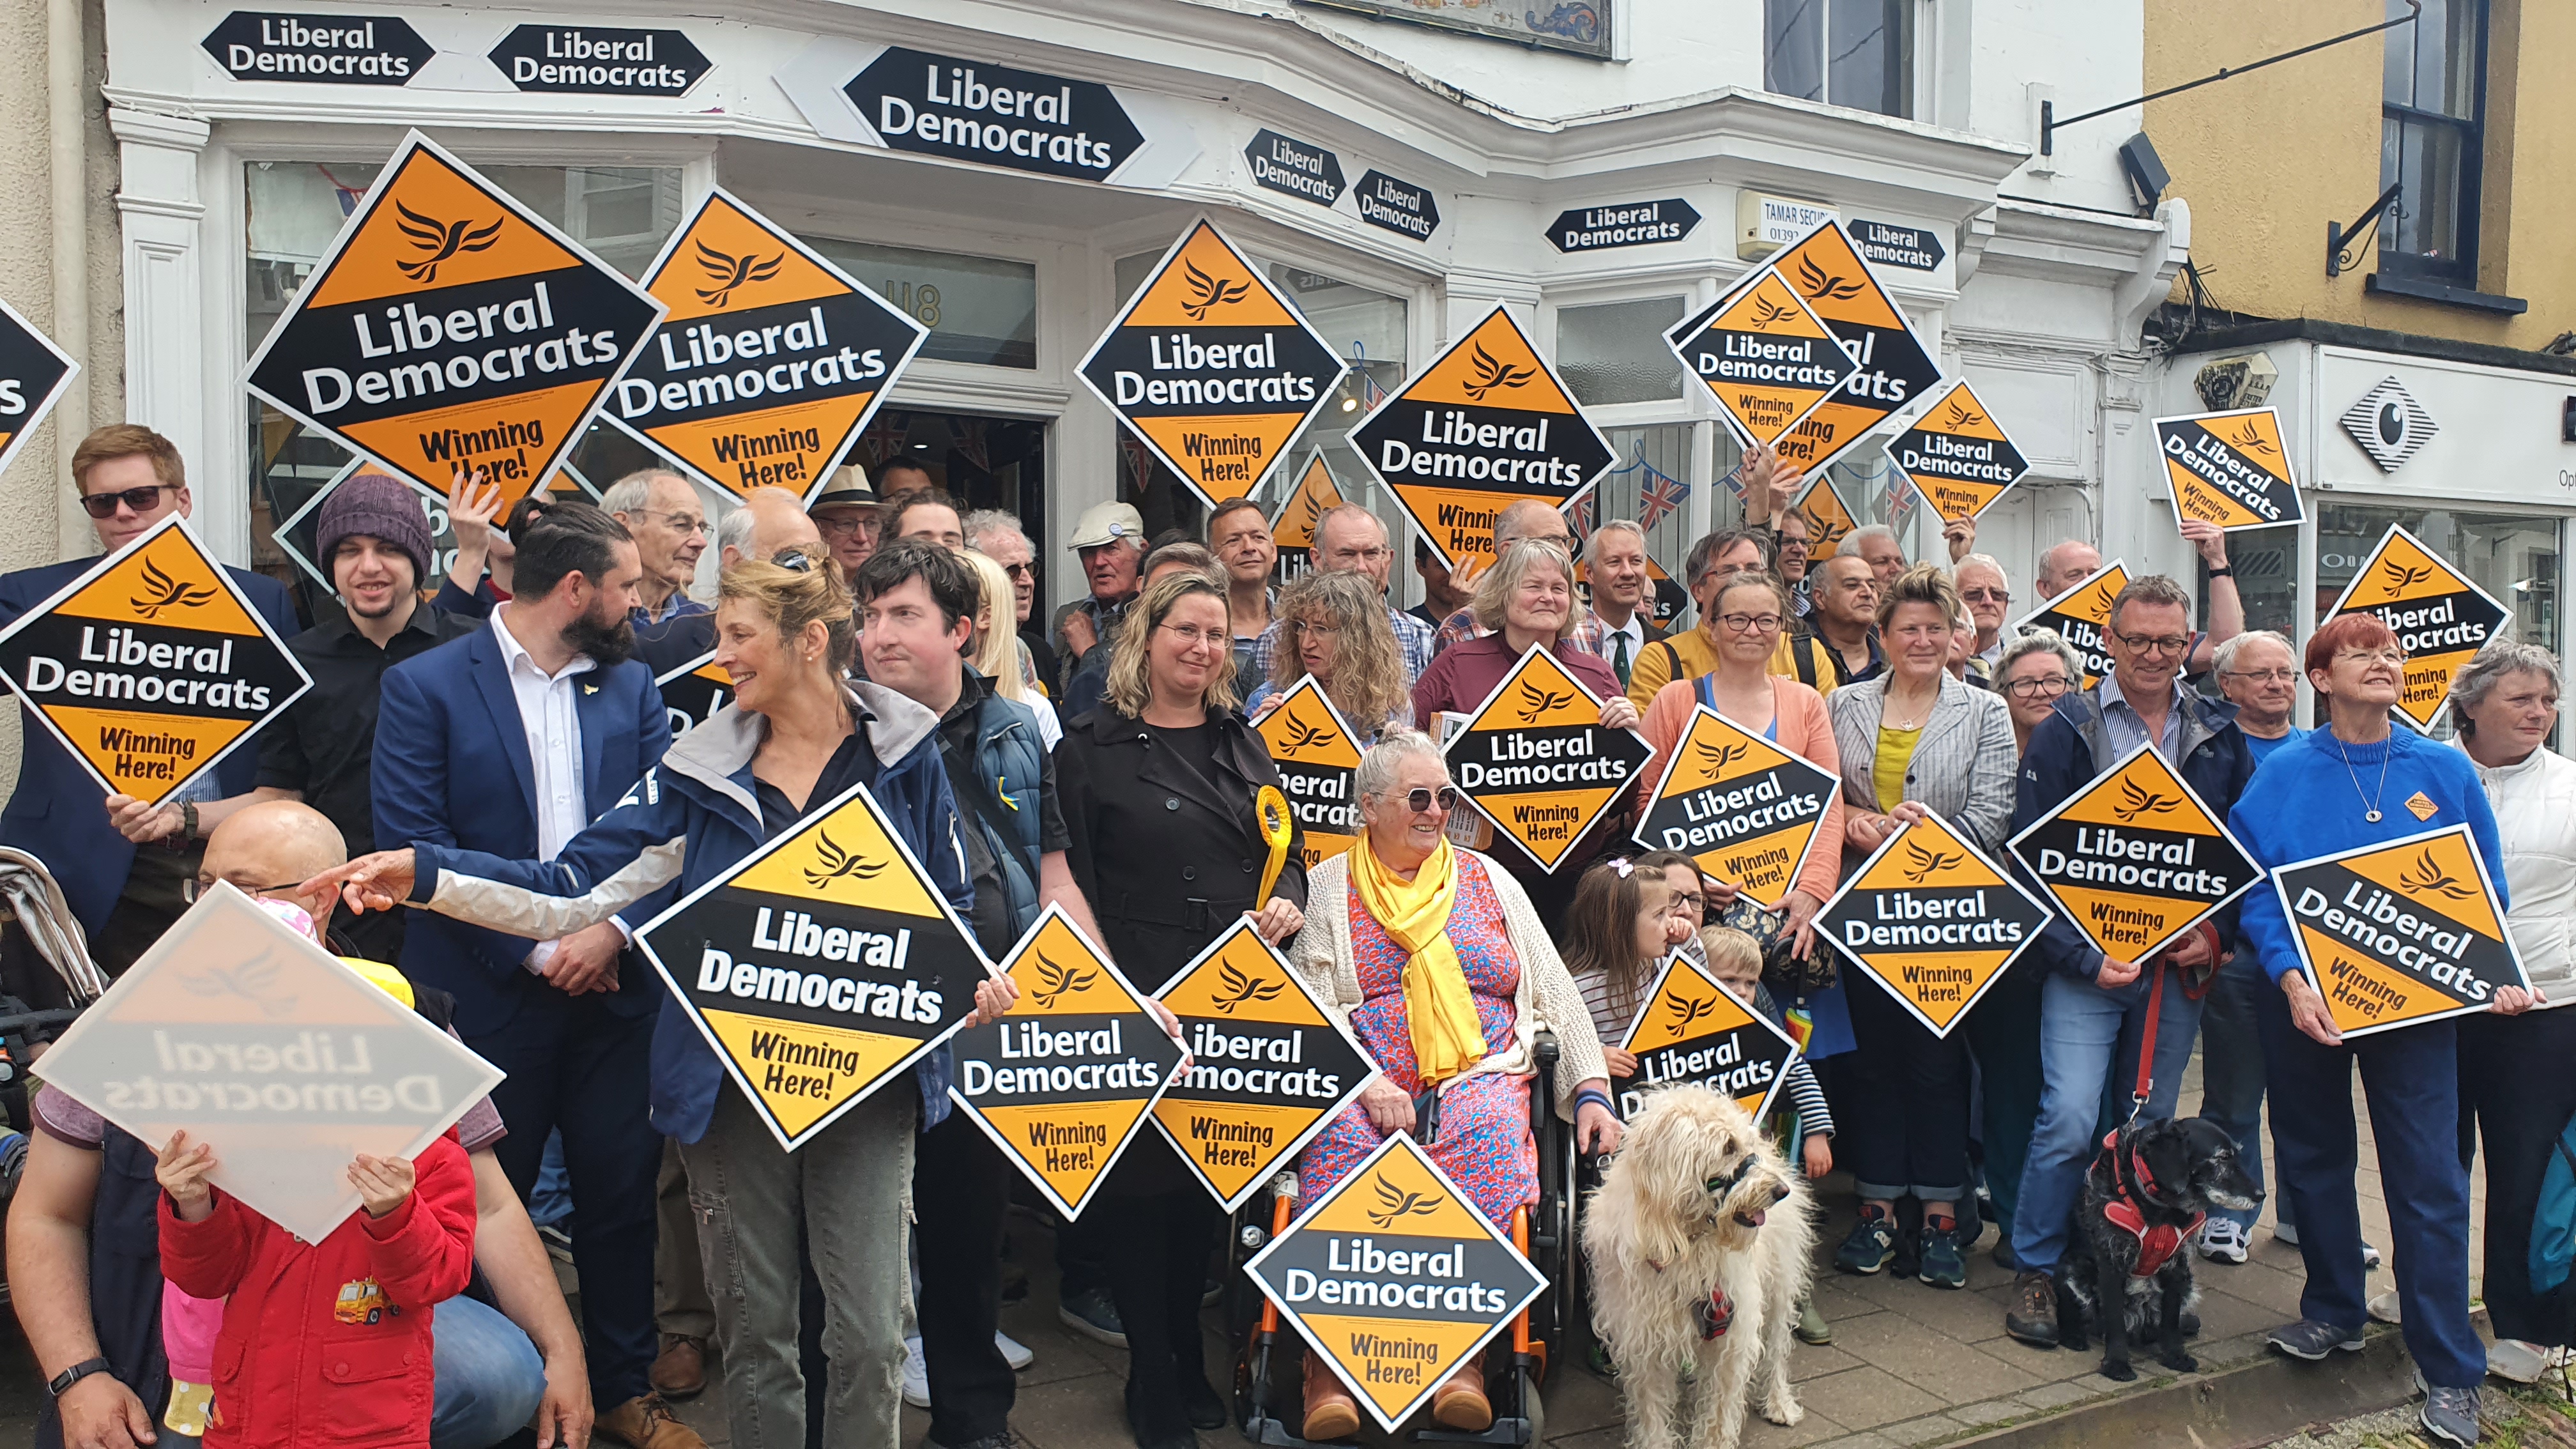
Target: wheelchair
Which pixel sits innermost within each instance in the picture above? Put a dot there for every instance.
(1269, 1402)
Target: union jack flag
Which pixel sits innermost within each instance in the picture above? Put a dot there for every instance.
(1139, 459)
(966, 439)
(1583, 516)
(1660, 495)
(888, 434)
(1734, 480)
(1900, 500)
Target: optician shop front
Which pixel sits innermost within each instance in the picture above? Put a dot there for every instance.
(1010, 191)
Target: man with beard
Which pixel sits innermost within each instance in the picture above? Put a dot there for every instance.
(510, 741)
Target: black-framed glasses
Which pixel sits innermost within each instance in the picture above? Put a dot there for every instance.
(189, 890)
(2050, 686)
(103, 505)
(1751, 623)
(844, 525)
(2154, 643)
(1419, 799)
(1019, 571)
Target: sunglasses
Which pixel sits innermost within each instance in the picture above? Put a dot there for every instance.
(103, 505)
(1419, 800)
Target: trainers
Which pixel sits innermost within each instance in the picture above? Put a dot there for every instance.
(2384, 1306)
(916, 1374)
(1871, 1244)
(2033, 1315)
(1812, 1327)
(2222, 1240)
(1940, 1264)
(1092, 1315)
(2370, 1261)
(2310, 1340)
(2286, 1233)
(2450, 1415)
(1015, 1353)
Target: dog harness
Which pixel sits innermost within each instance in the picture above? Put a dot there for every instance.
(2157, 1242)
(1716, 1314)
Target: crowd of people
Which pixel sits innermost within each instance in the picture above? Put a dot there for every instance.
(484, 795)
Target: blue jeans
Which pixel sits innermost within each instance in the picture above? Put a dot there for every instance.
(2085, 1034)
(550, 1204)
(488, 1378)
(2231, 1071)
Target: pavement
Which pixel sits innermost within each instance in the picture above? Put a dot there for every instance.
(1909, 1365)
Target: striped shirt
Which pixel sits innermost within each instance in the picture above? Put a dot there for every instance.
(1612, 1010)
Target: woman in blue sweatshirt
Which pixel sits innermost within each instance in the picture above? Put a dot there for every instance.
(2356, 782)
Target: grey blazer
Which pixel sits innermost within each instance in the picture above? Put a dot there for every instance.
(1963, 764)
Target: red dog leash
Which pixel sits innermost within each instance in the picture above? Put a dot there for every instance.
(2155, 1011)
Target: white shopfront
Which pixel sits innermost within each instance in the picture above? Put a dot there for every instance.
(1007, 171)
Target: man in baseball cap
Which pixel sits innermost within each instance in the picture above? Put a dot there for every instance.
(1109, 538)
(846, 512)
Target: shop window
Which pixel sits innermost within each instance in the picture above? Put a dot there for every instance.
(2432, 114)
(2266, 561)
(1857, 53)
(2513, 556)
(1615, 352)
(1648, 485)
(982, 310)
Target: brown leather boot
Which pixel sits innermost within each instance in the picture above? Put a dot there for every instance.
(1331, 1412)
(681, 1371)
(645, 1422)
(1460, 1403)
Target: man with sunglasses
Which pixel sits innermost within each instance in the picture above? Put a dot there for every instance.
(130, 478)
(2092, 1003)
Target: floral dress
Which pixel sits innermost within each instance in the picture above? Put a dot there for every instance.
(1484, 1141)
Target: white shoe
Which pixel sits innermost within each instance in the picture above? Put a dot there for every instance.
(2370, 1262)
(1014, 1352)
(2383, 1306)
(2523, 1363)
(916, 1375)
(2286, 1233)
(2222, 1240)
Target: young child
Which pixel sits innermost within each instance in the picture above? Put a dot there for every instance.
(324, 1343)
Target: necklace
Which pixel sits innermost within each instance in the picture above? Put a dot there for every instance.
(2369, 802)
(1926, 714)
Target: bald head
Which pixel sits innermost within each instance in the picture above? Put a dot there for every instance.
(272, 844)
(1528, 518)
(778, 521)
(2065, 565)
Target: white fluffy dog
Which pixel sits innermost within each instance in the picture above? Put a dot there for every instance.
(1700, 1240)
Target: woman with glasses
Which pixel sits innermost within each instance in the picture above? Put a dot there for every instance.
(1527, 600)
(2035, 671)
(2354, 781)
(1438, 964)
(1913, 741)
(1158, 787)
(1333, 627)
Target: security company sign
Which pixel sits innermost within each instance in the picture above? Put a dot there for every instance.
(246, 1035)
(1622, 224)
(1535, 759)
(1316, 754)
(1211, 368)
(819, 967)
(2230, 468)
(1268, 1066)
(152, 666)
(1292, 530)
(2082, 617)
(2389, 424)
(1692, 1030)
(34, 374)
(1744, 808)
(1932, 920)
(1305, 171)
(2394, 934)
(1892, 368)
(1062, 1084)
(2442, 619)
(1828, 517)
(341, 50)
(693, 692)
(1957, 456)
(1395, 1277)
(598, 61)
(769, 361)
(450, 328)
(2136, 858)
(1486, 424)
(995, 115)
(1767, 359)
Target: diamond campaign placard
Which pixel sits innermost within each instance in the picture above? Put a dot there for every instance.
(1929, 918)
(1747, 810)
(1292, 529)
(151, 667)
(2230, 468)
(1488, 422)
(1269, 1066)
(1691, 1029)
(33, 376)
(693, 692)
(2082, 616)
(2441, 616)
(769, 360)
(1395, 1277)
(819, 967)
(243, 1033)
(1892, 369)
(2406, 932)
(1536, 761)
(1212, 367)
(1063, 1082)
(1957, 456)
(1317, 756)
(1768, 360)
(2136, 858)
(1828, 517)
(449, 328)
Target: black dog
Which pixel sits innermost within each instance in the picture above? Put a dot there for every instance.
(2146, 1194)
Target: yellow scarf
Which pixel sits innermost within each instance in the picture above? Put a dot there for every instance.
(1447, 1037)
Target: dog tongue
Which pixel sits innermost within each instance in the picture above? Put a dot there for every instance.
(1759, 1218)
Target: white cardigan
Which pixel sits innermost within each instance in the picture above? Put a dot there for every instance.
(2535, 810)
(1546, 999)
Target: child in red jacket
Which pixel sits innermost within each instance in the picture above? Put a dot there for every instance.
(325, 1343)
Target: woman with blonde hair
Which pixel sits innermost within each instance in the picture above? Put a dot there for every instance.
(1333, 626)
(1000, 656)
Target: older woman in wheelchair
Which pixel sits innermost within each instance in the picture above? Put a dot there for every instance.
(1434, 958)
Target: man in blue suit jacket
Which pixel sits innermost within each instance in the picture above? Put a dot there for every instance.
(130, 478)
(511, 740)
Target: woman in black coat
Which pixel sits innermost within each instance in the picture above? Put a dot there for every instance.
(1158, 786)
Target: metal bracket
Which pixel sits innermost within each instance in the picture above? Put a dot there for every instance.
(2049, 124)
(2342, 241)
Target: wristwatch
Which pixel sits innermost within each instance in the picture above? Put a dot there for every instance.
(2226, 572)
(188, 820)
(62, 1382)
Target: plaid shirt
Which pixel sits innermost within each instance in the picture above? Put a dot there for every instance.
(1412, 641)
(1458, 628)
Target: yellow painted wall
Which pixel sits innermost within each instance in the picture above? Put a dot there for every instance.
(2266, 160)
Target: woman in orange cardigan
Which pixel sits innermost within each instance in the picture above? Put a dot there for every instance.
(1750, 610)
